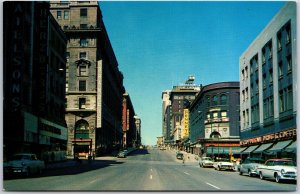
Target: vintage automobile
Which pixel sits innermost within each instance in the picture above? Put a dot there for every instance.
(278, 169)
(122, 154)
(223, 164)
(179, 156)
(206, 162)
(24, 163)
(250, 166)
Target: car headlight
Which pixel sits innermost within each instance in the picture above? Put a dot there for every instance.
(282, 171)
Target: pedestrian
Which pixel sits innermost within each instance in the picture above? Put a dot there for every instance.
(183, 160)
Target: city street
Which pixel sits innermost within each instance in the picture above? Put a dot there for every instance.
(143, 170)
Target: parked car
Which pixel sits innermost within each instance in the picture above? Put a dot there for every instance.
(223, 164)
(250, 166)
(206, 162)
(278, 169)
(122, 154)
(179, 156)
(24, 163)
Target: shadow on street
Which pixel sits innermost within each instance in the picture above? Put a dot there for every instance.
(71, 169)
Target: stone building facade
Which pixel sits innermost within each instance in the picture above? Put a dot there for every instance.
(94, 84)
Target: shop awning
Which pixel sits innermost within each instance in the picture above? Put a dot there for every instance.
(249, 149)
(279, 146)
(221, 150)
(292, 148)
(263, 147)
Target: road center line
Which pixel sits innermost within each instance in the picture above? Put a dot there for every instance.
(151, 176)
(93, 181)
(213, 186)
(186, 173)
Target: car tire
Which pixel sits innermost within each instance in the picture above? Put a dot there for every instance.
(277, 178)
(240, 172)
(218, 168)
(249, 173)
(261, 176)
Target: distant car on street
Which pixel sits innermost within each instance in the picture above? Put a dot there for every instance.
(206, 162)
(223, 164)
(278, 169)
(24, 163)
(250, 166)
(122, 154)
(179, 156)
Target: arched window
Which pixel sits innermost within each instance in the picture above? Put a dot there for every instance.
(215, 100)
(215, 135)
(82, 129)
(223, 99)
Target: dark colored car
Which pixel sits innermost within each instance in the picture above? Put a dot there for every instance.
(179, 156)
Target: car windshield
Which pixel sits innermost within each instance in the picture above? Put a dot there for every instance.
(21, 157)
(206, 159)
(284, 163)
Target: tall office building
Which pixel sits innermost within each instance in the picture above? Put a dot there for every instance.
(34, 81)
(268, 89)
(181, 96)
(166, 116)
(94, 84)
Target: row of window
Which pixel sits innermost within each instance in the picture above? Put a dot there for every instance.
(267, 52)
(66, 14)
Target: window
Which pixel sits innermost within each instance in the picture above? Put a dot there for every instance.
(271, 77)
(288, 33)
(290, 98)
(280, 70)
(246, 72)
(224, 99)
(281, 101)
(264, 81)
(271, 106)
(246, 94)
(289, 63)
(224, 114)
(83, 42)
(243, 75)
(270, 50)
(82, 103)
(263, 56)
(215, 115)
(66, 15)
(82, 55)
(83, 12)
(58, 14)
(82, 85)
(247, 117)
(82, 70)
(215, 100)
(208, 116)
(279, 45)
(243, 96)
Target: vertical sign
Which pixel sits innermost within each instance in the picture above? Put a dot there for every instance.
(99, 94)
(41, 52)
(185, 122)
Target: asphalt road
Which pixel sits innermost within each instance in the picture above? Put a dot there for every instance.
(143, 170)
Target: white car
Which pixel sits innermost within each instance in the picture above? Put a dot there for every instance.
(278, 169)
(249, 166)
(24, 163)
(206, 162)
(223, 164)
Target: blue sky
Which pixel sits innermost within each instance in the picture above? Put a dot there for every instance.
(159, 44)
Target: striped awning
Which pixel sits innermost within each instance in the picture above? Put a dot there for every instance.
(249, 149)
(263, 147)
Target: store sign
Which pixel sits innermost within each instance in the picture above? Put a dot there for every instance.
(18, 56)
(269, 137)
(185, 122)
